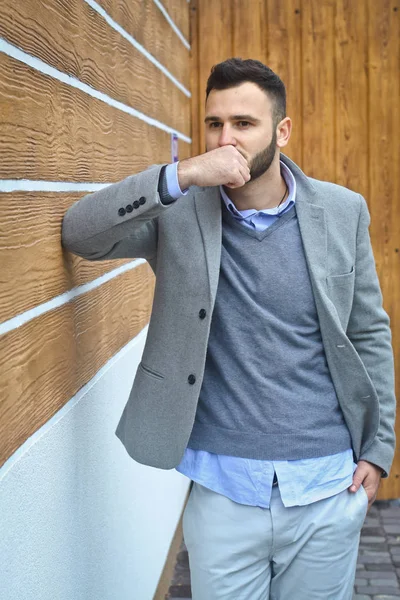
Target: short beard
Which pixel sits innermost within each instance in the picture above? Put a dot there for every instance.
(263, 160)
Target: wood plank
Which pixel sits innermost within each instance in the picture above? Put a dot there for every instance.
(76, 40)
(249, 29)
(319, 90)
(215, 27)
(46, 361)
(351, 92)
(194, 74)
(384, 176)
(34, 267)
(178, 10)
(54, 132)
(284, 31)
(145, 22)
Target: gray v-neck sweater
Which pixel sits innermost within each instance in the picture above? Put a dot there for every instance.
(267, 392)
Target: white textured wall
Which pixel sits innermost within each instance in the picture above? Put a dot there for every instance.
(79, 519)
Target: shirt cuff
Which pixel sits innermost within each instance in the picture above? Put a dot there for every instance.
(171, 174)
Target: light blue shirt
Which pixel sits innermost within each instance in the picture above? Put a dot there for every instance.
(249, 481)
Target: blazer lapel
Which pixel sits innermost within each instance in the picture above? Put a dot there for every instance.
(312, 225)
(313, 230)
(208, 210)
(311, 219)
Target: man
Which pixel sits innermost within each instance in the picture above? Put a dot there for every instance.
(267, 375)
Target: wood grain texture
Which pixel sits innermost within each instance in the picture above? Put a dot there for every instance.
(53, 132)
(249, 31)
(319, 88)
(196, 123)
(283, 26)
(34, 268)
(215, 31)
(145, 22)
(178, 10)
(76, 40)
(46, 361)
(351, 91)
(384, 177)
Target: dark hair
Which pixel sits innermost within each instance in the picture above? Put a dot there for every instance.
(235, 71)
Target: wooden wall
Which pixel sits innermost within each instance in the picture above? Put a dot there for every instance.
(339, 60)
(73, 74)
(80, 82)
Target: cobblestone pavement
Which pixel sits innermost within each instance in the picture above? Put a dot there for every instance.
(378, 566)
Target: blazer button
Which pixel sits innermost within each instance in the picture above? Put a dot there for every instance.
(202, 313)
(121, 212)
(142, 200)
(129, 208)
(136, 204)
(191, 379)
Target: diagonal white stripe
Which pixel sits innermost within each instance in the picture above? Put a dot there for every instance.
(68, 296)
(172, 24)
(43, 67)
(138, 46)
(29, 185)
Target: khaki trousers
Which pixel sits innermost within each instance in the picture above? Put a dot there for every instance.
(239, 552)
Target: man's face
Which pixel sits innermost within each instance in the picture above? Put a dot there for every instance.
(242, 116)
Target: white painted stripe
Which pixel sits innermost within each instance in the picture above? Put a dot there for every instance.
(68, 296)
(172, 24)
(46, 427)
(28, 185)
(41, 66)
(138, 46)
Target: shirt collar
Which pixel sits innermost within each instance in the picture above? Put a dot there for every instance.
(244, 214)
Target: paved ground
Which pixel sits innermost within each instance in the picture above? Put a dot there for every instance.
(378, 568)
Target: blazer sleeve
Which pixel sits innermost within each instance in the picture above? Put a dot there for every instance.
(119, 221)
(369, 332)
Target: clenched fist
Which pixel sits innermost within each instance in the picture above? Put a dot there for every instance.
(222, 166)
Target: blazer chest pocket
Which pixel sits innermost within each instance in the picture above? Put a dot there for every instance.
(148, 371)
(340, 289)
(342, 279)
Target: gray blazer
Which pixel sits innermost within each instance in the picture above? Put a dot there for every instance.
(182, 243)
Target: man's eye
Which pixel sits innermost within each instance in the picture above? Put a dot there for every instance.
(214, 125)
(243, 123)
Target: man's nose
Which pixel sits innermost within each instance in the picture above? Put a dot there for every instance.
(226, 138)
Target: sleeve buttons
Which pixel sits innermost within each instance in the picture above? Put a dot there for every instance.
(202, 313)
(129, 208)
(191, 379)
